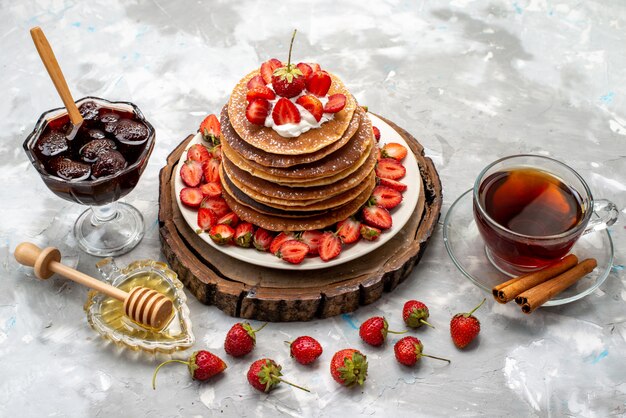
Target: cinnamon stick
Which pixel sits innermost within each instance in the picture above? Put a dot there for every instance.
(509, 290)
(538, 295)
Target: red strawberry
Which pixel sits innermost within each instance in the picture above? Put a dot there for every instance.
(257, 111)
(293, 251)
(216, 204)
(243, 234)
(264, 375)
(288, 81)
(305, 69)
(388, 168)
(230, 218)
(206, 219)
(191, 173)
(260, 92)
(464, 327)
(349, 367)
(395, 151)
(198, 152)
(335, 103)
(409, 349)
(211, 129)
(256, 81)
(374, 331)
(241, 339)
(377, 217)
(315, 66)
(396, 185)
(329, 246)
(318, 83)
(222, 234)
(370, 233)
(191, 196)
(268, 68)
(285, 112)
(415, 314)
(211, 189)
(262, 239)
(202, 366)
(376, 133)
(349, 230)
(279, 239)
(305, 349)
(385, 197)
(312, 239)
(312, 104)
(211, 170)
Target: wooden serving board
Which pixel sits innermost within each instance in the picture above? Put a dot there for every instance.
(252, 292)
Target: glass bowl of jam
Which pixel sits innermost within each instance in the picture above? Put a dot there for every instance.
(95, 164)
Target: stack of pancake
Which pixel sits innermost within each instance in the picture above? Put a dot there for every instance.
(307, 182)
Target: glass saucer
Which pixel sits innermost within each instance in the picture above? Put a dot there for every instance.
(467, 250)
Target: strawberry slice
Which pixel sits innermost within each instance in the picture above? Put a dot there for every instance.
(315, 66)
(370, 233)
(191, 173)
(222, 234)
(211, 129)
(293, 251)
(330, 246)
(376, 133)
(211, 189)
(198, 152)
(268, 68)
(305, 69)
(385, 197)
(262, 239)
(206, 219)
(211, 170)
(256, 81)
(348, 230)
(243, 234)
(191, 196)
(216, 152)
(396, 185)
(318, 83)
(312, 104)
(377, 217)
(335, 103)
(394, 150)
(279, 239)
(257, 111)
(216, 204)
(388, 168)
(230, 218)
(285, 112)
(312, 239)
(260, 92)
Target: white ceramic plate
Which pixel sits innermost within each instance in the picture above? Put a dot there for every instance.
(400, 215)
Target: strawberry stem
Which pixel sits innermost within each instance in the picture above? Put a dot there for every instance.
(288, 343)
(290, 46)
(294, 385)
(467, 315)
(438, 358)
(154, 375)
(426, 323)
(397, 332)
(257, 330)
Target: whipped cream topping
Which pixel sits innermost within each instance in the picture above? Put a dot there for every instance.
(307, 120)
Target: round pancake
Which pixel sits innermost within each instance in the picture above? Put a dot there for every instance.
(266, 159)
(275, 223)
(270, 141)
(267, 192)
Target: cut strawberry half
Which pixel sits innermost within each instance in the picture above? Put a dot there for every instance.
(388, 168)
(312, 239)
(312, 104)
(279, 239)
(385, 197)
(243, 234)
(211, 189)
(206, 219)
(348, 230)
(394, 150)
(376, 133)
(318, 83)
(293, 251)
(216, 204)
(396, 185)
(257, 111)
(330, 246)
(230, 218)
(211, 170)
(370, 233)
(335, 103)
(198, 152)
(285, 112)
(260, 92)
(262, 239)
(222, 234)
(216, 152)
(191, 196)
(211, 129)
(305, 69)
(377, 217)
(256, 81)
(191, 173)
(315, 66)
(268, 68)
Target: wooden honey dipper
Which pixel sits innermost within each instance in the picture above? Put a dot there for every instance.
(143, 305)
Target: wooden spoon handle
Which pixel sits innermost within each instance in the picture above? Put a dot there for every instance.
(51, 64)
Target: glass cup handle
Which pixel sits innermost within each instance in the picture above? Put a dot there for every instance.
(607, 214)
